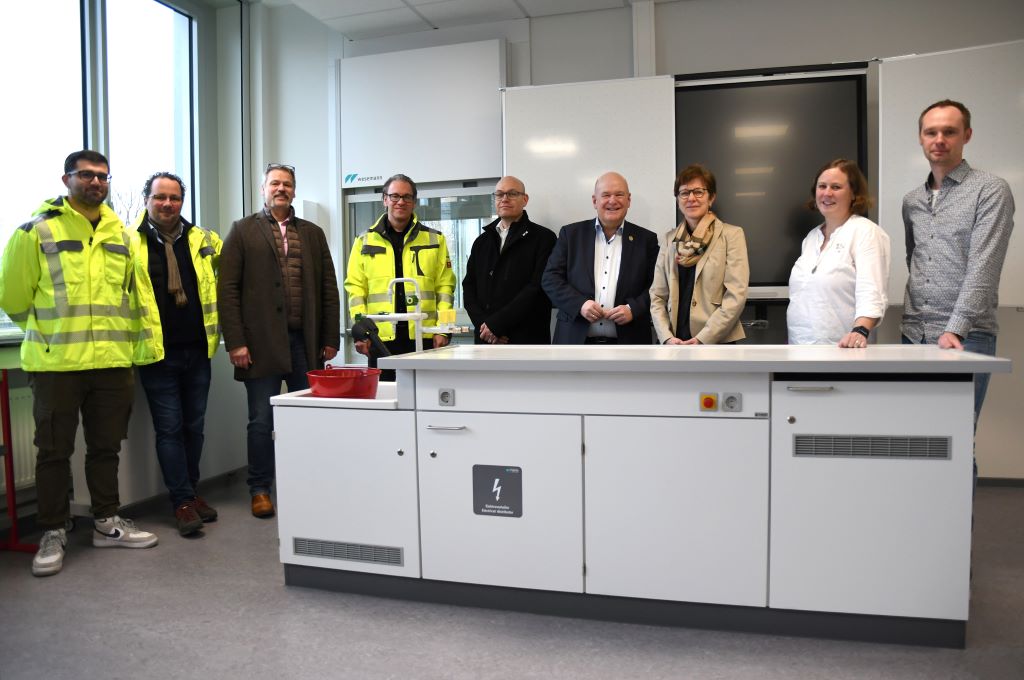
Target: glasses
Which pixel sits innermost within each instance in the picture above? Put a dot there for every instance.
(398, 198)
(279, 166)
(697, 193)
(498, 195)
(88, 176)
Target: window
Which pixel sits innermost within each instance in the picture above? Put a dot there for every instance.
(44, 118)
(44, 114)
(149, 88)
(147, 95)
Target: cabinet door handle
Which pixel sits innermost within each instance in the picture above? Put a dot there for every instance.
(446, 427)
(810, 388)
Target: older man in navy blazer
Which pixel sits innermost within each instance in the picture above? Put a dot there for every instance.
(600, 272)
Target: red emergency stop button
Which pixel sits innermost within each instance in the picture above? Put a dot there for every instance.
(708, 401)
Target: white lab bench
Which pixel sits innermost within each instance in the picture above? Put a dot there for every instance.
(798, 490)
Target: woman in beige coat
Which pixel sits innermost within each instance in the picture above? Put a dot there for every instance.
(703, 263)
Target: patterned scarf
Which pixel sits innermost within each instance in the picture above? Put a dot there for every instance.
(691, 246)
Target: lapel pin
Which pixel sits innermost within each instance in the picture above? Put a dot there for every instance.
(630, 238)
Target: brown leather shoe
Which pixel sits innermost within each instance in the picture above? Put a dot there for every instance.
(188, 519)
(204, 510)
(262, 505)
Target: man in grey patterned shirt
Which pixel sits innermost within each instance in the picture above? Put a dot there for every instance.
(958, 225)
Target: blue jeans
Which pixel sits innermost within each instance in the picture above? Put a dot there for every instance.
(177, 389)
(261, 414)
(980, 343)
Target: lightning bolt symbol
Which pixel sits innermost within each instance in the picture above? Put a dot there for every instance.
(497, 489)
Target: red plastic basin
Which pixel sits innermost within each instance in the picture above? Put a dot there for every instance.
(351, 382)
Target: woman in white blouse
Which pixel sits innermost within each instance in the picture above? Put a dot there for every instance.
(837, 286)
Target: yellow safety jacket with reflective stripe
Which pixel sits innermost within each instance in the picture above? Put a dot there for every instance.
(72, 289)
(204, 246)
(371, 267)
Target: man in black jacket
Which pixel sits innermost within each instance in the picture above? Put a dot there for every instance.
(501, 291)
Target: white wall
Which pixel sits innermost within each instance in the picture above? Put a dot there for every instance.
(570, 48)
(720, 35)
(295, 70)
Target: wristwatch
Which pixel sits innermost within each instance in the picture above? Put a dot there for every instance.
(862, 330)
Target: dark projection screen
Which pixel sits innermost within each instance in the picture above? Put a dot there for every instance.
(764, 141)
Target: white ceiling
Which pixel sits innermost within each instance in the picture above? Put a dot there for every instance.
(361, 19)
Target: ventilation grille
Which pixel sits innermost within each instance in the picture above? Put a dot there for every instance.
(354, 552)
(861, 446)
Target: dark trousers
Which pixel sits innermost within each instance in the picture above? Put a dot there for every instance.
(261, 414)
(400, 345)
(177, 389)
(104, 399)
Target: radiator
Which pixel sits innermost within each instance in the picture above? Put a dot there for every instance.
(22, 430)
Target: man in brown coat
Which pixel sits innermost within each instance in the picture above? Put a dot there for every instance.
(279, 312)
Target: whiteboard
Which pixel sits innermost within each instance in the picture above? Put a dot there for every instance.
(433, 114)
(559, 139)
(990, 81)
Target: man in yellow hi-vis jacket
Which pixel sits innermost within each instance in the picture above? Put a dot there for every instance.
(68, 281)
(176, 274)
(399, 245)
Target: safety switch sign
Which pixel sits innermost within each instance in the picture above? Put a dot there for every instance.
(498, 490)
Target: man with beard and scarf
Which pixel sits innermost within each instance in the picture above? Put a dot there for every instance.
(176, 273)
(279, 311)
(68, 281)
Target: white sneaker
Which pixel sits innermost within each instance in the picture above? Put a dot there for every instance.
(50, 557)
(115, 532)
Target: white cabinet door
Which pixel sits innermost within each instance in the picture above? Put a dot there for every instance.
(677, 508)
(346, 489)
(501, 499)
(863, 520)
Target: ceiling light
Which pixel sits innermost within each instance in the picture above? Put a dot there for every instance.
(748, 131)
(552, 147)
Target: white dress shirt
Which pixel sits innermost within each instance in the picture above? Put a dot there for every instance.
(607, 257)
(829, 289)
(502, 234)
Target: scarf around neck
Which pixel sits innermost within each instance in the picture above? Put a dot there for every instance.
(691, 246)
(169, 236)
